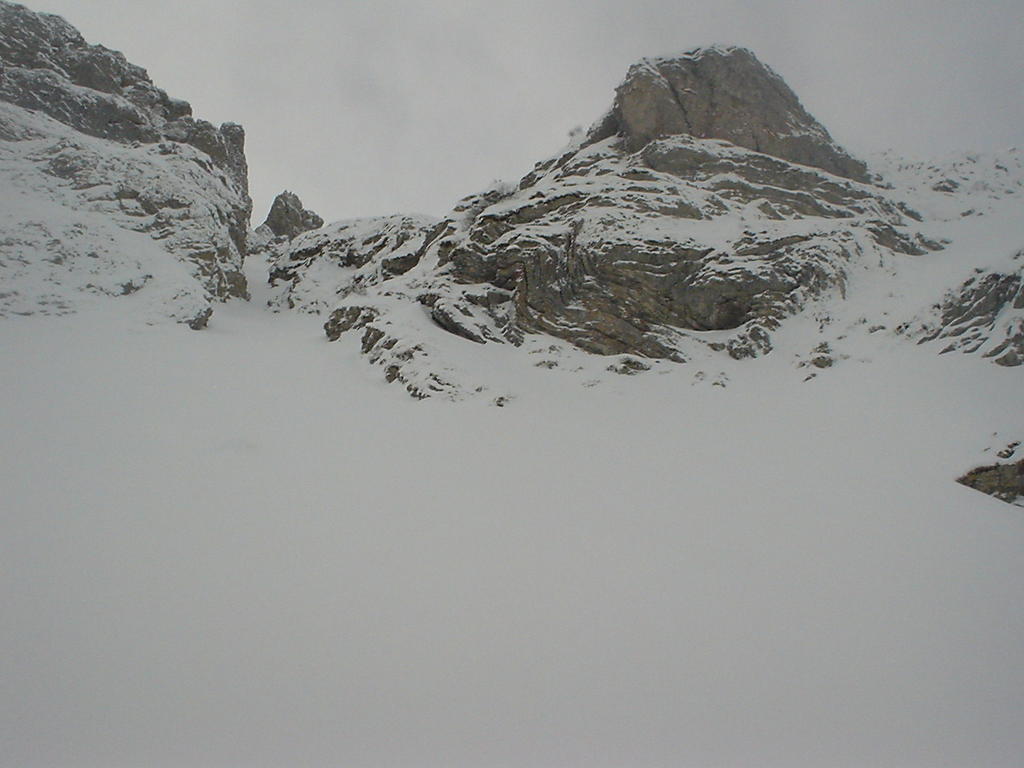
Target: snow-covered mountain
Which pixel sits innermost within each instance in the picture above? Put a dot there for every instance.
(704, 210)
(111, 187)
(716, 520)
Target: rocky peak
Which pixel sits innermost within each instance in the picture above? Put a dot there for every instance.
(704, 210)
(46, 65)
(721, 92)
(287, 217)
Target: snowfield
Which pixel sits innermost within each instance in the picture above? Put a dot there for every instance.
(240, 547)
(743, 547)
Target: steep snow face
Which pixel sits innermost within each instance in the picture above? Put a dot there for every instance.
(109, 187)
(957, 186)
(975, 201)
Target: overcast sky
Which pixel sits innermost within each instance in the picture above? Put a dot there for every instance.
(381, 107)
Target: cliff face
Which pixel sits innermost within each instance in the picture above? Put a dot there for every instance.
(93, 153)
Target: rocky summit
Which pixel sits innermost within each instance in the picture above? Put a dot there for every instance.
(287, 217)
(705, 208)
(721, 92)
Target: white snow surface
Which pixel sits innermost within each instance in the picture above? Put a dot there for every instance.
(241, 547)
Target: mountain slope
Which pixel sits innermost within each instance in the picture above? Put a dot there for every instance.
(286, 559)
(714, 522)
(140, 197)
(655, 243)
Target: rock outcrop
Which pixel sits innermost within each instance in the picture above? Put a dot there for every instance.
(319, 268)
(985, 315)
(648, 237)
(1004, 481)
(287, 217)
(725, 93)
(93, 156)
(48, 66)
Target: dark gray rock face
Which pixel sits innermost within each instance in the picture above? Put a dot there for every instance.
(721, 93)
(618, 253)
(287, 217)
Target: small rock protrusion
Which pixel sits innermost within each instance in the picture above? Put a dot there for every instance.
(287, 217)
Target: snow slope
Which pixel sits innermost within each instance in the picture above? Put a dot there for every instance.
(241, 547)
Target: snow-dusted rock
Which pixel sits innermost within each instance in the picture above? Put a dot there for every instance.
(985, 315)
(48, 66)
(651, 244)
(721, 92)
(623, 252)
(110, 187)
(1004, 481)
(318, 268)
(973, 200)
(288, 218)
